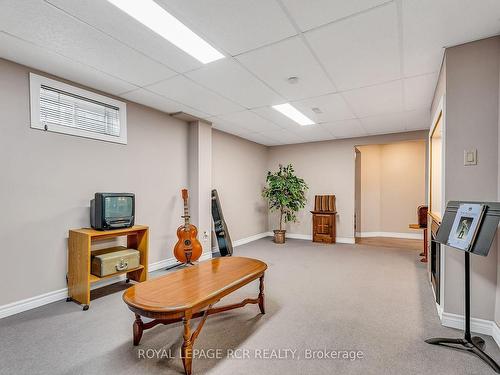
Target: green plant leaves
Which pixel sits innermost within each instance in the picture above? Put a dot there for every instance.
(285, 192)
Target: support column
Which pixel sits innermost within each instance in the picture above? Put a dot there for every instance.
(200, 179)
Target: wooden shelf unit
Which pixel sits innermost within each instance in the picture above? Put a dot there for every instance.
(79, 257)
(324, 215)
(94, 278)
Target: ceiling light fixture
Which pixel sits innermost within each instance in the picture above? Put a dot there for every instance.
(293, 113)
(152, 15)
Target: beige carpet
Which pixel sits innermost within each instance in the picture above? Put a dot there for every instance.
(343, 298)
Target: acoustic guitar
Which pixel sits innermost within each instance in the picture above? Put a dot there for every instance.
(187, 249)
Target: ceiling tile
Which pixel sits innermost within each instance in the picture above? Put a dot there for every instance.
(276, 117)
(28, 54)
(430, 25)
(290, 58)
(161, 103)
(310, 14)
(332, 106)
(189, 93)
(361, 50)
(152, 100)
(313, 133)
(419, 91)
(227, 127)
(234, 25)
(106, 17)
(376, 100)
(418, 119)
(50, 28)
(346, 128)
(231, 80)
(283, 136)
(249, 121)
(263, 139)
(391, 123)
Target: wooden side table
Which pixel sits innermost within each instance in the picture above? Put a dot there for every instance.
(79, 253)
(324, 226)
(423, 254)
(422, 224)
(323, 219)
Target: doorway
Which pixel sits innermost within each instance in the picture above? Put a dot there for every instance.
(389, 186)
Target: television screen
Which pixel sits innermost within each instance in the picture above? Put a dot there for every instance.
(116, 207)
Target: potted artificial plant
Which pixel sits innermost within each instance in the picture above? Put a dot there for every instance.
(286, 194)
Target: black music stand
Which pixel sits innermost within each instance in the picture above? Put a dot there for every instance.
(481, 246)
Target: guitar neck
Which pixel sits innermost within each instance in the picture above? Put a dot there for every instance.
(186, 213)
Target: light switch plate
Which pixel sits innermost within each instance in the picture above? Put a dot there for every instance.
(470, 157)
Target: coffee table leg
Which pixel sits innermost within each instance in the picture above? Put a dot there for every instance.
(261, 295)
(187, 346)
(137, 328)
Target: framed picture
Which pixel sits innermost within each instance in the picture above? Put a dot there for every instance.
(465, 226)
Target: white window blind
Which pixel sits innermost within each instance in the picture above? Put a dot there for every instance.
(65, 109)
(58, 107)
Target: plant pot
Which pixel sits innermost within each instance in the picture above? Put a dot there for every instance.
(279, 236)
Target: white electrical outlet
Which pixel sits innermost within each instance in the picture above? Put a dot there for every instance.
(205, 236)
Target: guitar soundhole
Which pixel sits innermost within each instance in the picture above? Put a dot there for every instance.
(187, 242)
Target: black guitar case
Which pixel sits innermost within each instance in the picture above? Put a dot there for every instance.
(221, 232)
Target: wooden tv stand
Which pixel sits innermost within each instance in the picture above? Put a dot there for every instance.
(79, 253)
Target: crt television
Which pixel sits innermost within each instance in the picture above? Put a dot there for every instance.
(112, 211)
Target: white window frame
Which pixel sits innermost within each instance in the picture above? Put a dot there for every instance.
(36, 82)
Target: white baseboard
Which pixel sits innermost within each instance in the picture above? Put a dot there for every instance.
(296, 236)
(308, 237)
(413, 236)
(439, 309)
(485, 327)
(162, 264)
(33, 302)
(482, 326)
(347, 240)
(57, 295)
(246, 240)
(495, 333)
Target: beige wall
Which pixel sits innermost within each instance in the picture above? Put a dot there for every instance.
(48, 179)
(329, 168)
(371, 174)
(402, 185)
(471, 121)
(392, 186)
(238, 173)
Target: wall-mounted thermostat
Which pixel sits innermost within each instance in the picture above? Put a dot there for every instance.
(470, 157)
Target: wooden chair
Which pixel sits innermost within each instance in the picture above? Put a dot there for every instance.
(422, 224)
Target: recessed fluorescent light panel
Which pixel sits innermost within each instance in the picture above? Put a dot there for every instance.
(163, 23)
(292, 113)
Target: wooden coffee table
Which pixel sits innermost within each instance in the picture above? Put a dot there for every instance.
(191, 293)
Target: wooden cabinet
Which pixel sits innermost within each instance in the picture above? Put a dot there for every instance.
(80, 250)
(324, 229)
(323, 219)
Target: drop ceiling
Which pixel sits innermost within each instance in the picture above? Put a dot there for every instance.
(365, 67)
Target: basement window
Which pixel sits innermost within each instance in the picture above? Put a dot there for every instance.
(62, 108)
